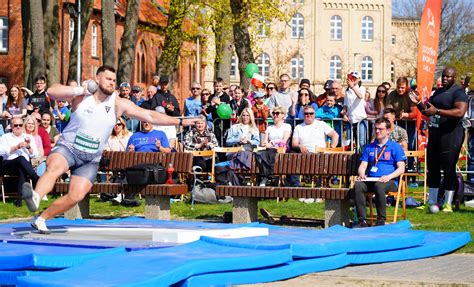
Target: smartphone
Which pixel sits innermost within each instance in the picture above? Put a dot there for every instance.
(351, 77)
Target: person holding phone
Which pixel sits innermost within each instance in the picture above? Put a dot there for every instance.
(445, 109)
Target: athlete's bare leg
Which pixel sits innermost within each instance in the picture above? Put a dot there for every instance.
(56, 165)
(78, 188)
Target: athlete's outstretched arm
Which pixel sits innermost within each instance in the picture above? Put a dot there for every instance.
(65, 93)
(131, 110)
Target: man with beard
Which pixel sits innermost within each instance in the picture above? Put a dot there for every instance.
(81, 144)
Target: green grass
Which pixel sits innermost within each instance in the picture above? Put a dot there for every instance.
(461, 220)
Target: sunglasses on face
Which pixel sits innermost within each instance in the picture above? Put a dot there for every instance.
(205, 94)
(270, 88)
(194, 89)
(308, 114)
(381, 91)
(304, 95)
(276, 113)
(17, 125)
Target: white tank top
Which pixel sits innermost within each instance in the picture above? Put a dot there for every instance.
(89, 128)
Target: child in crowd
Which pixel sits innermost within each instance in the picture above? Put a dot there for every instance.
(330, 111)
(261, 112)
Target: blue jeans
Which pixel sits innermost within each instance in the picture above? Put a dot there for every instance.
(360, 134)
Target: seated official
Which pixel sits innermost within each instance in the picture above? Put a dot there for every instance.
(148, 140)
(201, 138)
(17, 149)
(385, 161)
(312, 133)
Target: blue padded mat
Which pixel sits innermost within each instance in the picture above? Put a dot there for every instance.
(436, 243)
(27, 256)
(160, 267)
(335, 240)
(281, 272)
(10, 277)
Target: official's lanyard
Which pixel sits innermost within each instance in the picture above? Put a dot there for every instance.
(378, 155)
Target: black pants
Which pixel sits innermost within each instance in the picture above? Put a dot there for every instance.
(23, 169)
(204, 162)
(380, 189)
(443, 153)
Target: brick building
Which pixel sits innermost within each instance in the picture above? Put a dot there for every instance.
(148, 45)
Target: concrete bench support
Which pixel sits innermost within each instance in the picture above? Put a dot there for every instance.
(244, 210)
(336, 211)
(157, 207)
(80, 210)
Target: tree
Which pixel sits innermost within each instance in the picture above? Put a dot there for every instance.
(108, 33)
(38, 66)
(456, 39)
(52, 31)
(129, 38)
(25, 21)
(87, 7)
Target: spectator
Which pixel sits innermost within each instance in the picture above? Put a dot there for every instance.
(219, 96)
(138, 95)
(166, 99)
(285, 96)
(201, 138)
(245, 132)
(148, 140)
(61, 114)
(321, 99)
(330, 111)
(312, 133)
(192, 105)
(386, 162)
(170, 131)
(39, 101)
(304, 96)
(43, 134)
(119, 138)
(3, 102)
(238, 103)
(156, 81)
(124, 93)
(16, 104)
(397, 133)
(270, 89)
(336, 88)
(369, 106)
(150, 93)
(30, 127)
(354, 108)
(380, 100)
(17, 149)
(387, 86)
(205, 104)
(52, 130)
(278, 134)
(305, 83)
(261, 112)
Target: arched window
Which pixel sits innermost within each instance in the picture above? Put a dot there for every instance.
(297, 67)
(233, 66)
(71, 32)
(367, 69)
(336, 27)
(297, 26)
(94, 41)
(3, 34)
(141, 64)
(367, 28)
(263, 63)
(392, 72)
(335, 68)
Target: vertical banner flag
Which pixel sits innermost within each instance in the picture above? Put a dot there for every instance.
(428, 42)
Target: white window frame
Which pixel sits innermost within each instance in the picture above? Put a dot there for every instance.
(263, 63)
(72, 26)
(335, 68)
(336, 28)
(367, 69)
(367, 28)
(94, 41)
(297, 26)
(4, 34)
(233, 66)
(297, 67)
(262, 28)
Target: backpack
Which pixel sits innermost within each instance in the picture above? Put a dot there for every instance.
(143, 174)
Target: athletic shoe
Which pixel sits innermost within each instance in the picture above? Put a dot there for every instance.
(361, 224)
(423, 207)
(31, 197)
(380, 222)
(40, 225)
(447, 208)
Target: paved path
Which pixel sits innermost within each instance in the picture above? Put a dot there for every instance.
(450, 270)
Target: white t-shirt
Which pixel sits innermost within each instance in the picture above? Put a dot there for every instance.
(277, 133)
(170, 131)
(355, 105)
(313, 135)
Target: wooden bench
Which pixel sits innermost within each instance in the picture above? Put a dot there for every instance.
(245, 203)
(157, 196)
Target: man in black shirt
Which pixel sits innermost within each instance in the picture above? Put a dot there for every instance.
(39, 101)
(219, 96)
(165, 99)
(445, 108)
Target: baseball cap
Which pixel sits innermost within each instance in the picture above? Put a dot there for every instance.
(328, 84)
(124, 84)
(258, 95)
(136, 89)
(305, 81)
(355, 74)
(164, 79)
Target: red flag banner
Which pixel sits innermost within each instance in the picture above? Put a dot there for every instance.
(428, 42)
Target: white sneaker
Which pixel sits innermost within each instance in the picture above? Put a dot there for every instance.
(31, 197)
(45, 198)
(40, 224)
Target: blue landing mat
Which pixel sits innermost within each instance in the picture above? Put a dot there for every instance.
(160, 267)
(27, 256)
(280, 272)
(335, 240)
(10, 277)
(436, 243)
